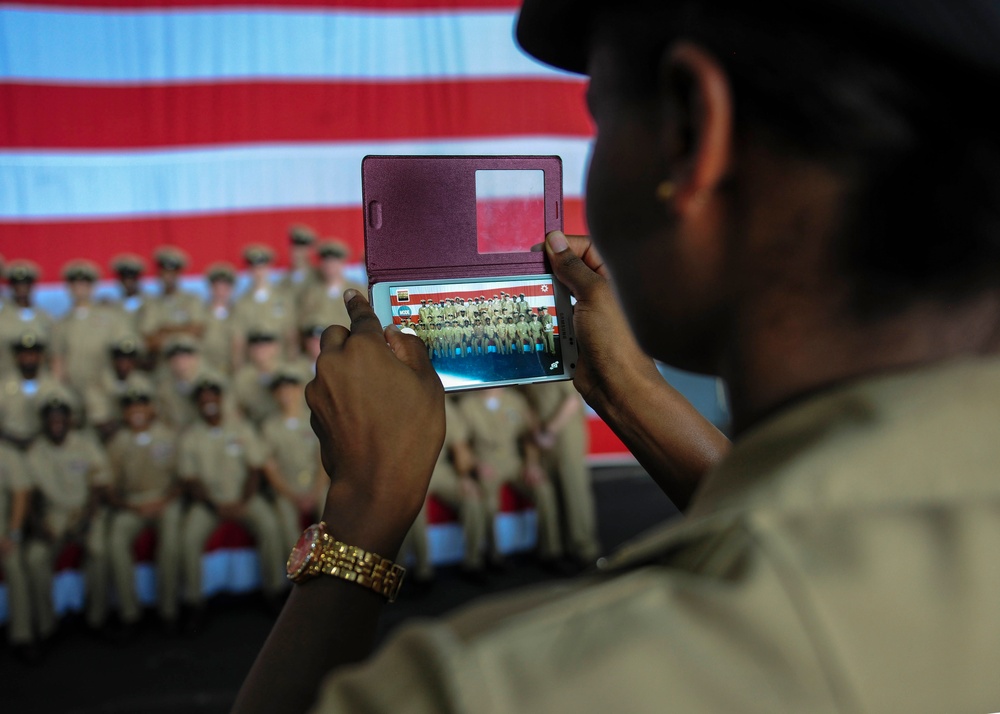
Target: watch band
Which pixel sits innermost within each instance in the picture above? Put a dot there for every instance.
(328, 556)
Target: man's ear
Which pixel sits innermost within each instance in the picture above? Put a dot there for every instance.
(699, 124)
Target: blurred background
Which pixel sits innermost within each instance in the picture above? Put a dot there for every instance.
(128, 125)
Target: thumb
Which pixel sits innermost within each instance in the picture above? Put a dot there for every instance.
(409, 349)
(567, 266)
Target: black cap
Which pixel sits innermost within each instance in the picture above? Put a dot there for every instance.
(285, 375)
(258, 335)
(127, 346)
(207, 380)
(557, 32)
(22, 271)
(301, 235)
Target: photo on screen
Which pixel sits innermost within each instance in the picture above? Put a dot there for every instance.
(481, 332)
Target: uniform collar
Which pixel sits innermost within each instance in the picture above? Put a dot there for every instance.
(929, 435)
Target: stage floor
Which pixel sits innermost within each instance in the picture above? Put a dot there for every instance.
(159, 674)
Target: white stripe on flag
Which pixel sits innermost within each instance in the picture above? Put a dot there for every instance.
(44, 186)
(115, 46)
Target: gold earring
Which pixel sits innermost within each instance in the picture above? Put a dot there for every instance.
(665, 191)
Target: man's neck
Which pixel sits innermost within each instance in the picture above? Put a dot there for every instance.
(805, 353)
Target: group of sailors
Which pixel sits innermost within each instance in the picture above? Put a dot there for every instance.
(166, 411)
(457, 327)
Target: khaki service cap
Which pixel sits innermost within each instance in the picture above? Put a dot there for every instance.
(81, 270)
(168, 257)
(333, 248)
(258, 254)
(301, 235)
(23, 271)
(221, 271)
(128, 264)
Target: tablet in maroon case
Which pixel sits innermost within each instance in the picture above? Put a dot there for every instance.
(429, 217)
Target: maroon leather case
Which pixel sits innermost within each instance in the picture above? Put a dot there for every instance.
(421, 217)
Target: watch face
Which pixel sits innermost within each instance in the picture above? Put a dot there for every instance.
(303, 550)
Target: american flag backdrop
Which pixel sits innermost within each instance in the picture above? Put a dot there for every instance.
(128, 124)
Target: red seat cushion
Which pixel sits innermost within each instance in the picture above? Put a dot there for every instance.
(229, 534)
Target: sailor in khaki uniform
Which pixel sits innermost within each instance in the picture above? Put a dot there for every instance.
(69, 472)
(264, 306)
(293, 469)
(15, 493)
(146, 493)
(252, 383)
(561, 438)
(81, 338)
(454, 484)
(21, 391)
(548, 330)
(324, 302)
(219, 339)
(174, 311)
(103, 398)
(129, 269)
(500, 426)
(220, 461)
(842, 556)
(176, 384)
(535, 330)
(20, 315)
(310, 334)
(301, 271)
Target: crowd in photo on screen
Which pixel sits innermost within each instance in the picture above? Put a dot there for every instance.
(160, 417)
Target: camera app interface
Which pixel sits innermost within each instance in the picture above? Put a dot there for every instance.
(479, 333)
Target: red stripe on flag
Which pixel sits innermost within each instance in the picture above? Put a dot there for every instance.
(44, 116)
(205, 238)
(604, 443)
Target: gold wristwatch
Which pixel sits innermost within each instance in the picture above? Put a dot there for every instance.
(319, 553)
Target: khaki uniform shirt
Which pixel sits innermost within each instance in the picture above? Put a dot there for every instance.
(14, 322)
(65, 475)
(128, 310)
(496, 425)
(843, 558)
(295, 449)
(102, 399)
(219, 457)
(456, 432)
(19, 404)
(217, 339)
(266, 309)
(82, 339)
(547, 399)
(13, 478)
(143, 464)
(325, 306)
(252, 390)
(296, 281)
(176, 310)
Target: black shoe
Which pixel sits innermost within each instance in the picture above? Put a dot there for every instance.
(170, 626)
(30, 655)
(499, 565)
(120, 634)
(474, 576)
(195, 620)
(421, 587)
(559, 567)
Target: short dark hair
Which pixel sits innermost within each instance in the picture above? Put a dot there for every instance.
(908, 129)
